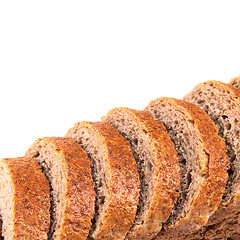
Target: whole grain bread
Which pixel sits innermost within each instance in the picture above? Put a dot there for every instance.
(115, 176)
(203, 163)
(24, 199)
(158, 168)
(222, 103)
(72, 191)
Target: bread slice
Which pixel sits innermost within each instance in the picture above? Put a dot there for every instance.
(222, 103)
(115, 176)
(72, 192)
(203, 163)
(24, 199)
(158, 168)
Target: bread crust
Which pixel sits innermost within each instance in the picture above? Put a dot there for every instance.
(79, 195)
(166, 179)
(235, 82)
(228, 210)
(214, 165)
(31, 201)
(121, 178)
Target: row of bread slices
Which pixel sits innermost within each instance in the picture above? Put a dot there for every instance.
(161, 173)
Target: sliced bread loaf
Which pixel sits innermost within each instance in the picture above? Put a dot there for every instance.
(203, 163)
(158, 168)
(24, 199)
(72, 192)
(222, 103)
(115, 176)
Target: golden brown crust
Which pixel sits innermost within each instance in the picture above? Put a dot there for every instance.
(122, 181)
(79, 196)
(31, 198)
(215, 170)
(166, 179)
(227, 209)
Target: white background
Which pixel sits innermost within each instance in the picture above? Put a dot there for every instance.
(68, 61)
